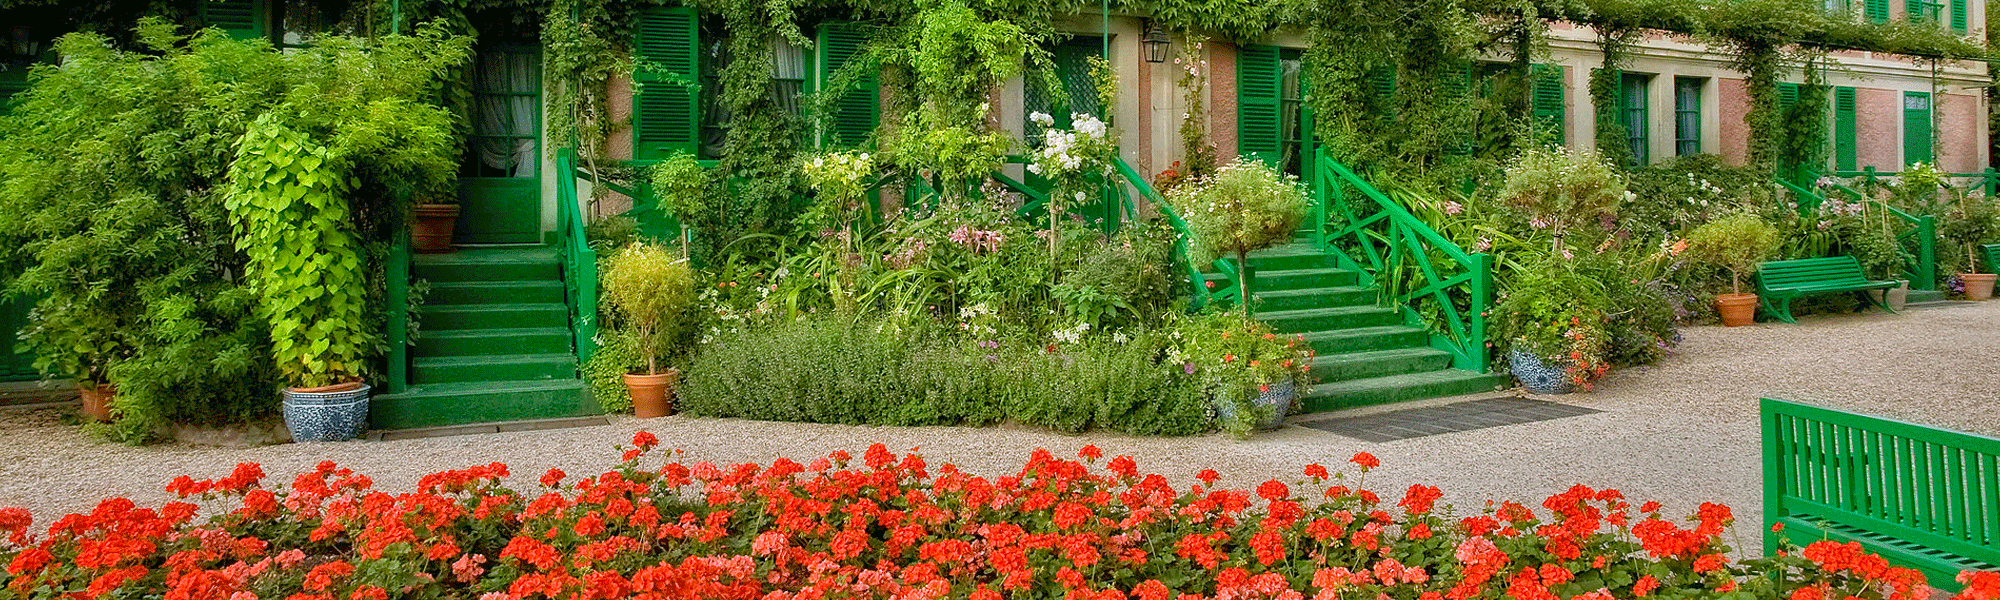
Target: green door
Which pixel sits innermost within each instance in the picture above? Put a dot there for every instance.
(1916, 128)
(500, 185)
(1077, 95)
(14, 365)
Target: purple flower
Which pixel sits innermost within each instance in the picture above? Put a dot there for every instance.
(1187, 368)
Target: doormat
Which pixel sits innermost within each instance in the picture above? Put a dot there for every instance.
(1450, 418)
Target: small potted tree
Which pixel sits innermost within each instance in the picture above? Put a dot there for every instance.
(650, 290)
(1242, 208)
(1736, 242)
(1972, 222)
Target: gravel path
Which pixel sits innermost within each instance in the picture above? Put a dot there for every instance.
(1683, 431)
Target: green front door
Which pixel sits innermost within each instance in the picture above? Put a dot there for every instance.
(500, 185)
(1076, 93)
(14, 365)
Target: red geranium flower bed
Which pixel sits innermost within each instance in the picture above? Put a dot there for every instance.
(892, 526)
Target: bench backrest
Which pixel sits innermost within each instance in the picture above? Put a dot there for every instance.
(1936, 488)
(1811, 271)
(1992, 252)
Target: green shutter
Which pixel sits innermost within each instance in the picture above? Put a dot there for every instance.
(1877, 11)
(242, 19)
(666, 114)
(1843, 129)
(1958, 16)
(1258, 87)
(1549, 99)
(1916, 128)
(1788, 95)
(859, 109)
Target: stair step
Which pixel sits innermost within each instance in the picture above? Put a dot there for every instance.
(1332, 368)
(1327, 297)
(505, 367)
(434, 405)
(487, 342)
(1367, 338)
(494, 292)
(1398, 388)
(489, 264)
(1290, 257)
(494, 316)
(1295, 279)
(1321, 319)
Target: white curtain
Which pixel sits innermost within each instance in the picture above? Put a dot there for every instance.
(788, 73)
(507, 85)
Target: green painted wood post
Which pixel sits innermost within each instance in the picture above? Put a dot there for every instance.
(1482, 300)
(1926, 253)
(1988, 182)
(1868, 175)
(1774, 489)
(398, 293)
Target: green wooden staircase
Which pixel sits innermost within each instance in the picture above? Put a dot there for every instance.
(496, 343)
(1368, 354)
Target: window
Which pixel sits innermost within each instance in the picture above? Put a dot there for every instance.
(1638, 123)
(299, 21)
(506, 114)
(1077, 93)
(1294, 127)
(1916, 128)
(1687, 115)
(1273, 123)
(1922, 11)
(788, 75)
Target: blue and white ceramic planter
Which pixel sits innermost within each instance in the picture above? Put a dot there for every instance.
(1278, 399)
(326, 416)
(1539, 377)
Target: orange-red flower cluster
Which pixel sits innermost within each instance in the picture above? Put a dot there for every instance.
(894, 528)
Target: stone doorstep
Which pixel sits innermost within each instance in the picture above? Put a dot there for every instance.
(479, 428)
(37, 394)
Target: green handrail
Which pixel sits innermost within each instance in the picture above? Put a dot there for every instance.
(1922, 232)
(1377, 236)
(398, 293)
(1198, 293)
(1987, 180)
(579, 261)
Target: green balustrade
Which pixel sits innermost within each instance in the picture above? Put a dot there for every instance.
(1922, 234)
(579, 261)
(1366, 231)
(398, 299)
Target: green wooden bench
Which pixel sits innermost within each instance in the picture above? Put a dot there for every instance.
(1779, 282)
(1921, 497)
(1992, 253)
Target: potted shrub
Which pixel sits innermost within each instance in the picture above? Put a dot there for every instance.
(650, 291)
(1554, 315)
(1972, 222)
(1252, 374)
(1736, 242)
(1243, 207)
(433, 222)
(293, 223)
(1872, 242)
(1561, 191)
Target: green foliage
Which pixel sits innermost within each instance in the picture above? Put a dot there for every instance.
(840, 370)
(617, 354)
(1563, 189)
(651, 291)
(1736, 242)
(1974, 221)
(1243, 207)
(1237, 359)
(694, 196)
(285, 197)
(113, 177)
(1555, 311)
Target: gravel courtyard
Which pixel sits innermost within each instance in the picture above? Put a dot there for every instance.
(1683, 431)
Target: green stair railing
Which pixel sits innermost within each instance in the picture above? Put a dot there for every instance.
(1198, 293)
(1922, 233)
(398, 299)
(579, 261)
(1365, 230)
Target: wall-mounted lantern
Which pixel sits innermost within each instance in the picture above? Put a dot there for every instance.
(1158, 44)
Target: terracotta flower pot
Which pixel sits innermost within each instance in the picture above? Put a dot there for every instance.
(431, 227)
(1978, 286)
(652, 394)
(97, 401)
(1737, 310)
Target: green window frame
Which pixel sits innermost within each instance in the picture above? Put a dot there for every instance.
(1917, 110)
(506, 88)
(1634, 108)
(1922, 11)
(1687, 115)
(666, 111)
(1844, 122)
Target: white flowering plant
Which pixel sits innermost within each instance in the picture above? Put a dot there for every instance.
(1244, 207)
(1560, 189)
(1070, 159)
(841, 181)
